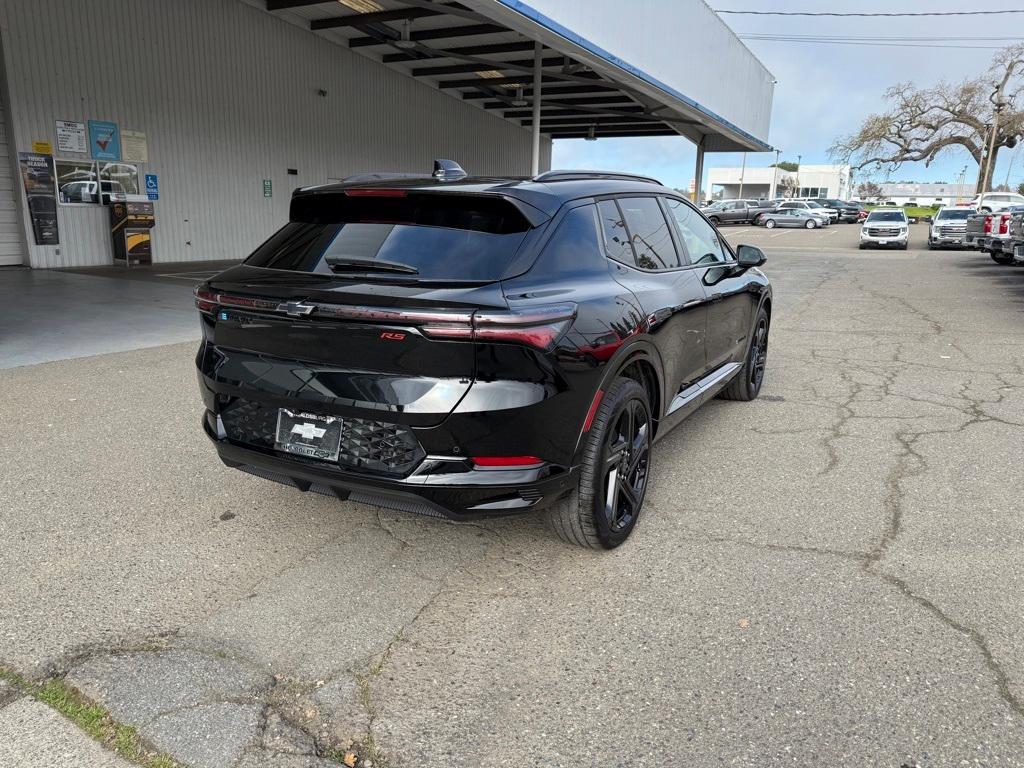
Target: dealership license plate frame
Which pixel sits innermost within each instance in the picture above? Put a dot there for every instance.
(311, 435)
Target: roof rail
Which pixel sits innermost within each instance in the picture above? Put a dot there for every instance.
(579, 175)
(365, 177)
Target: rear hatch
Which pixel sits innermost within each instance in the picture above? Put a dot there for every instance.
(363, 304)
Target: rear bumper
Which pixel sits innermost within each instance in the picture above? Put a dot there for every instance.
(467, 495)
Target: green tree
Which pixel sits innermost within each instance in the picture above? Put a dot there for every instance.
(786, 165)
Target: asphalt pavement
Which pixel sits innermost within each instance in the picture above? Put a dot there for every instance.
(830, 575)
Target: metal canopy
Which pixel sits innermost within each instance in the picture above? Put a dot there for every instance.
(489, 60)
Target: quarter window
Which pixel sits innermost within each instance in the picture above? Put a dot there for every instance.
(649, 233)
(697, 236)
(616, 237)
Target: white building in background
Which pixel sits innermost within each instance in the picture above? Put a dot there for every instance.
(767, 183)
(926, 194)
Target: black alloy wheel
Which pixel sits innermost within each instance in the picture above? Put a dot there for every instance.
(625, 464)
(615, 471)
(747, 383)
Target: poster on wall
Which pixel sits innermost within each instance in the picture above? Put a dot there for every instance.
(37, 175)
(71, 137)
(104, 140)
(133, 147)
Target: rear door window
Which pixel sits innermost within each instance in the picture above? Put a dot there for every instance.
(433, 237)
(649, 233)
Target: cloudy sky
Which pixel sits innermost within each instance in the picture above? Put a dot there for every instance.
(825, 90)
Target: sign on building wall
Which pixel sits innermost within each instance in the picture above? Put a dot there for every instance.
(268, 188)
(71, 137)
(104, 140)
(133, 147)
(40, 189)
(152, 186)
(42, 147)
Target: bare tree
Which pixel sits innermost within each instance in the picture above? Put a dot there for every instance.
(868, 190)
(787, 186)
(923, 123)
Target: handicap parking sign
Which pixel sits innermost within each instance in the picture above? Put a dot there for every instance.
(152, 187)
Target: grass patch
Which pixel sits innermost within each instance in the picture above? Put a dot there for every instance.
(91, 718)
(919, 212)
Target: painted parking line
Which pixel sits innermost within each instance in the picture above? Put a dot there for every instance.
(739, 231)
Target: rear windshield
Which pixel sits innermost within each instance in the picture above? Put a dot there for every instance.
(954, 213)
(445, 237)
(886, 216)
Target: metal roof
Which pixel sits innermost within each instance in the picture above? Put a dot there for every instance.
(483, 53)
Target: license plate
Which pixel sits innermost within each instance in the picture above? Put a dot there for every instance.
(883, 242)
(308, 434)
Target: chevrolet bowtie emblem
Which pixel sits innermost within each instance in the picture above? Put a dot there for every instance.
(308, 431)
(295, 308)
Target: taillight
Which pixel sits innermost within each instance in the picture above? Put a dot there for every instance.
(538, 327)
(988, 225)
(1004, 224)
(206, 300)
(507, 462)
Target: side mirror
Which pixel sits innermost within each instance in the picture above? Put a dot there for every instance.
(750, 256)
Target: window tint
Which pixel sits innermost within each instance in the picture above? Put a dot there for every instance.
(441, 237)
(649, 233)
(697, 236)
(573, 247)
(616, 238)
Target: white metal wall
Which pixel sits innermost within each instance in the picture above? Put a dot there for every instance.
(12, 242)
(227, 96)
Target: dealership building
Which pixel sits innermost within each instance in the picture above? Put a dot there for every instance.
(832, 181)
(202, 116)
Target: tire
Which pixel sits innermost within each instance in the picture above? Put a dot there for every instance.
(1000, 258)
(715, 220)
(862, 246)
(747, 383)
(904, 246)
(770, 224)
(582, 517)
(810, 224)
(931, 246)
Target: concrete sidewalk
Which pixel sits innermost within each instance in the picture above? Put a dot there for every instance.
(34, 736)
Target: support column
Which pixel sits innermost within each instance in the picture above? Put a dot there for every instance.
(698, 171)
(538, 73)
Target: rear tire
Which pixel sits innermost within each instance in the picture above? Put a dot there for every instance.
(747, 383)
(714, 220)
(1000, 258)
(603, 510)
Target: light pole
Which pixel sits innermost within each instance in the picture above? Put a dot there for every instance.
(743, 171)
(798, 159)
(775, 177)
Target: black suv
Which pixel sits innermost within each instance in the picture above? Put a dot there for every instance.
(473, 347)
(848, 212)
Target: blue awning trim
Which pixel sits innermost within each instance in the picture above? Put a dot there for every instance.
(534, 15)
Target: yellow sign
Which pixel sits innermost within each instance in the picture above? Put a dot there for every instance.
(42, 147)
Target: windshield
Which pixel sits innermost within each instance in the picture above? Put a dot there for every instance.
(813, 204)
(957, 214)
(420, 236)
(887, 216)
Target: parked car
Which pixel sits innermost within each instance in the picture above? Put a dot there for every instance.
(792, 217)
(1013, 247)
(735, 211)
(476, 347)
(948, 227)
(825, 215)
(995, 235)
(885, 228)
(847, 212)
(991, 202)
